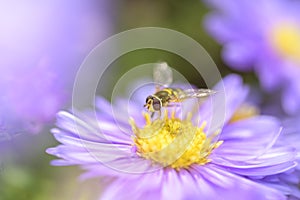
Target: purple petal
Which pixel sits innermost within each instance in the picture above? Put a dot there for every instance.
(240, 54)
(248, 139)
(93, 130)
(234, 186)
(265, 171)
(235, 94)
(269, 74)
(290, 98)
(219, 26)
(145, 187)
(103, 105)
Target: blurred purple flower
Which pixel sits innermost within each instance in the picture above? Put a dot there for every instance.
(33, 96)
(42, 46)
(263, 36)
(150, 166)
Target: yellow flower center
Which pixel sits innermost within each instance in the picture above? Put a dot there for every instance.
(245, 111)
(285, 38)
(172, 142)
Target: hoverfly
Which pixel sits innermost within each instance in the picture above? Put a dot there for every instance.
(166, 96)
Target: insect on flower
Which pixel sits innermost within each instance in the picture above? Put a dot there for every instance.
(165, 96)
(175, 157)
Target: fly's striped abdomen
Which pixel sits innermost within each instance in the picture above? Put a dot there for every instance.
(169, 95)
(175, 94)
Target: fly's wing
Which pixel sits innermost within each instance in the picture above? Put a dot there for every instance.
(162, 75)
(196, 93)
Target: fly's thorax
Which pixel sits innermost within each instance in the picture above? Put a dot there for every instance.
(164, 95)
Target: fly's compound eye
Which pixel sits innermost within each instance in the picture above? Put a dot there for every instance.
(147, 100)
(156, 104)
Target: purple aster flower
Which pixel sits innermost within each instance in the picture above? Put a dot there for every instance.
(42, 46)
(34, 97)
(173, 157)
(263, 36)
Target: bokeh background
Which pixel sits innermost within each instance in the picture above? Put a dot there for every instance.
(42, 45)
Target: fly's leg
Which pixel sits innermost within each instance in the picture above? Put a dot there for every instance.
(159, 114)
(152, 115)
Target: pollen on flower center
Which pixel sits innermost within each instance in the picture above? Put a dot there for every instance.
(172, 142)
(285, 38)
(245, 111)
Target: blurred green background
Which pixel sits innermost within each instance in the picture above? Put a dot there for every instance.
(25, 172)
